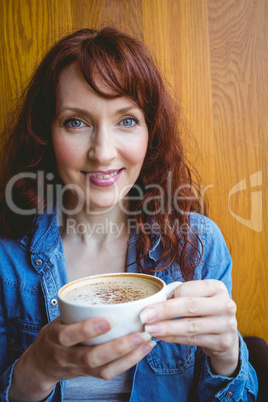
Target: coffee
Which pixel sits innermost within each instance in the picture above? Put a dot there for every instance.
(110, 290)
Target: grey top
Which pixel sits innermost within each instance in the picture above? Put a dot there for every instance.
(94, 389)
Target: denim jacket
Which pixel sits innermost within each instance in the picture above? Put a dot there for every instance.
(32, 269)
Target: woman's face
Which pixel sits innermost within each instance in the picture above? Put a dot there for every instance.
(99, 143)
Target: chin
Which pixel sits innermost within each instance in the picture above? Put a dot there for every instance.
(101, 206)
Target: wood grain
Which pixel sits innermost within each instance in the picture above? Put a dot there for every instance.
(214, 56)
(238, 57)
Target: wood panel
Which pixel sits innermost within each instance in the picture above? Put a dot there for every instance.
(238, 34)
(214, 55)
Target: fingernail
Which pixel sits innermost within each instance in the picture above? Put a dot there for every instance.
(103, 326)
(153, 329)
(148, 315)
(148, 346)
(140, 339)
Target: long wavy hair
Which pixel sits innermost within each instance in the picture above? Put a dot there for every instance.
(125, 64)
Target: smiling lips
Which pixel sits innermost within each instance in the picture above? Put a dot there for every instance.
(103, 178)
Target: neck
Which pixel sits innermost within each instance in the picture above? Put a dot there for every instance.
(98, 226)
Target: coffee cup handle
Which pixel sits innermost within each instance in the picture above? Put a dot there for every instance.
(171, 287)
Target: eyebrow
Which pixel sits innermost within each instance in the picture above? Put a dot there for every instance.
(78, 110)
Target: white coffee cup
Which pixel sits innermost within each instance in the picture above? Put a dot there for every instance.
(124, 316)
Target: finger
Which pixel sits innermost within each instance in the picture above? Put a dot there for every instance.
(200, 288)
(192, 326)
(93, 357)
(211, 343)
(187, 307)
(72, 334)
(108, 371)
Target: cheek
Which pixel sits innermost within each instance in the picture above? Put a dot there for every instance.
(136, 154)
(66, 153)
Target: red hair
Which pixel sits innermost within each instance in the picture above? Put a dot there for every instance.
(126, 66)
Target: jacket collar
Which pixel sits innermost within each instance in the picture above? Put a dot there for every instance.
(44, 234)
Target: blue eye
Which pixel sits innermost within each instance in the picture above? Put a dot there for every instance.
(74, 123)
(129, 122)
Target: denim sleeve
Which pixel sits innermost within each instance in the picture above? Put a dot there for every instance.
(5, 382)
(243, 387)
(217, 264)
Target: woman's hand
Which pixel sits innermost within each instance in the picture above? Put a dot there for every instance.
(207, 319)
(57, 354)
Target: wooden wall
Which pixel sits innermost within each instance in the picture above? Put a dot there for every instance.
(214, 54)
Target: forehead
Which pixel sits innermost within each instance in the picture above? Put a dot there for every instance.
(72, 89)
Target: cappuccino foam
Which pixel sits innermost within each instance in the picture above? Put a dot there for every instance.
(110, 291)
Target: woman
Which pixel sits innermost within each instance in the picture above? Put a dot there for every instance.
(98, 183)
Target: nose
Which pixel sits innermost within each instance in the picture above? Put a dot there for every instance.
(102, 146)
